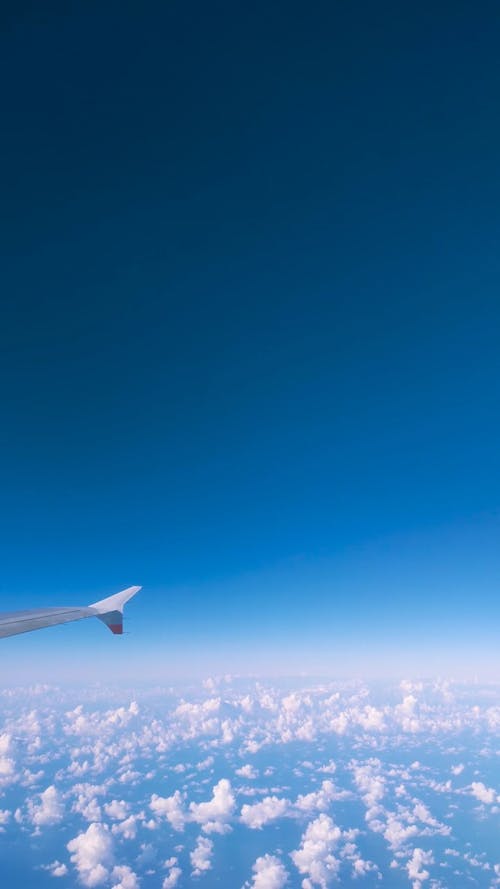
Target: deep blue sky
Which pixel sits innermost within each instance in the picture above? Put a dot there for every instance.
(251, 321)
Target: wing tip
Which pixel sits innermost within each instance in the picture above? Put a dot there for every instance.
(110, 610)
(116, 629)
(117, 601)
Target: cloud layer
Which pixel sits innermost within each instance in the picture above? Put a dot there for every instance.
(314, 784)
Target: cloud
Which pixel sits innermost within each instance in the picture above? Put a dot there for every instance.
(56, 869)
(258, 814)
(396, 832)
(92, 854)
(319, 799)
(370, 782)
(214, 814)
(415, 867)
(127, 879)
(329, 769)
(269, 873)
(127, 828)
(88, 808)
(171, 808)
(7, 765)
(201, 856)
(117, 809)
(360, 867)
(482, 793)
(172, 879)
(49, 810)
(314, 858)
(47, 743)
(247, 771)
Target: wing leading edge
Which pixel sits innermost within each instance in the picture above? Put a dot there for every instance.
(109, 610)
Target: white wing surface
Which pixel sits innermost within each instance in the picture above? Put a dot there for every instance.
(109, 610)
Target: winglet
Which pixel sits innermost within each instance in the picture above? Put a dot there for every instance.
(110, 610)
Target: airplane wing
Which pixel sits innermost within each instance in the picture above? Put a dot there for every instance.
(109, 610)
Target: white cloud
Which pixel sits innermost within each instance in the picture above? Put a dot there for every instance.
(258, 814)
(49, 810)
(117, 809)
(370, 719)
(482, 793)
(370, 782)
(172, 879)
(171, 808)
(415, 867)
(127, 879)
(47, 741)
(214, 814)
(319, 799)
(201, 856)
(92, 854)
(127, 828)
(407, 715)
(396, 832)
(247, 771)
(329, 769)
(88, 808)
(56, 869)
(206, 763)
(7, 763)
(269, 873)
(360, 867)
(314, 858)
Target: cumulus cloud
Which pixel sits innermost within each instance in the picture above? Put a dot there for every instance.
(247, 771)
(92, 854)
(48, 809)
(127, 879)
(201, 856)
(258, 814)
(370, 782)
(396, 831)
(214, 814)
(415, 867)
(319, 799)
(172, 879)
(7, 763)
(117, 809)
(48, 744)
(171, 808)
(268, 873)
(127, 828)
(329, 769)
(56, 869)
(87, 808)
(360, 867)
(482, 793)
(314, 858)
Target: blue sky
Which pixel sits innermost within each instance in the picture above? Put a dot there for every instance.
(249, 342)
